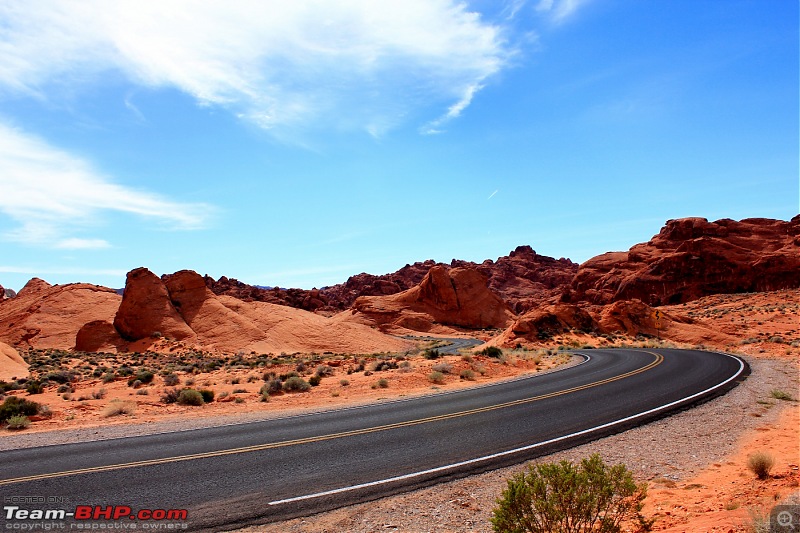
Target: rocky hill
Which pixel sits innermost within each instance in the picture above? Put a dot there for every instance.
(523, 279)
(691, 258)
(445, 300)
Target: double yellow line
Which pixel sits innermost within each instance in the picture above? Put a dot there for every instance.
(260, 447)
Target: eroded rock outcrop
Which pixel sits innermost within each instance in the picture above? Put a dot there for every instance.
(458, 298)
(691, 258)
(146, 310)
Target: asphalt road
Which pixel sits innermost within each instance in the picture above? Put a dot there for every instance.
(295, 466)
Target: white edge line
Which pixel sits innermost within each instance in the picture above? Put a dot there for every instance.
(510, 452)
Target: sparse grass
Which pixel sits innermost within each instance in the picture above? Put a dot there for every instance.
(344, 382)
(117, 407)
(467, 374)
(99, 394)
(781, 395)
(383, 383)
(760, 463)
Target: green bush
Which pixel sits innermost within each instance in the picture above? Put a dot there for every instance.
(190, 397)
(296, 384)
(18, 422)
(383, 383)
(564, 497)
(15, 406)
(314, 380)
(34, 387)
(208, 395)
(142, 376)
(431, 353)
(492, 351)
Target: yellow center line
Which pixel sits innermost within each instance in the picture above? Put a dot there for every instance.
(260, 447)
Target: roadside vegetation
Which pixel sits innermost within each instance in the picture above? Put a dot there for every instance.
(80, 381)
(575, 498)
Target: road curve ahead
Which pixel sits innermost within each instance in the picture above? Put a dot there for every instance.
(272, 470)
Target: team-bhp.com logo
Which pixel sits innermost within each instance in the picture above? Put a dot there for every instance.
(93, 517)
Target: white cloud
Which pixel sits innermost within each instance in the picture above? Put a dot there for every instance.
(350, 64)
(49, 193)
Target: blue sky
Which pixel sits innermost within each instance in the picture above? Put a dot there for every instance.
(295, 145)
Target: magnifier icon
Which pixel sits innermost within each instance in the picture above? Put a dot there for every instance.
(785, 519)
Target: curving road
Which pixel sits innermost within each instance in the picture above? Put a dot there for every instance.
(272, 470)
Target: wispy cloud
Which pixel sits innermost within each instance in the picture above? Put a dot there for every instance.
(454, 111)
(560, 10)
(37, 271)
(51, 193)
(82, 244)
(349, 65)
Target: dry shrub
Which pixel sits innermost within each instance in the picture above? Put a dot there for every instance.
(760, 463)
(118, 407)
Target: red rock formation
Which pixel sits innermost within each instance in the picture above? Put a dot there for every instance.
(98, 336)
(49, 316)
(634, 317)
(691, 258)
(215, 325)
(542, 324)
(298, 298)
(146, 309)
(444, 300)
(523, 279)
(12, 366)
